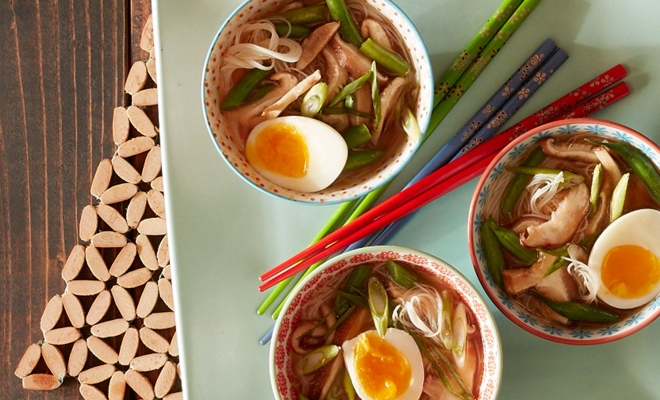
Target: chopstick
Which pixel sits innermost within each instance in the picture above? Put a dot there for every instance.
(426, 190)
(493, 35)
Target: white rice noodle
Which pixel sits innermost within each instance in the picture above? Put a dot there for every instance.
(544, 187)
(587, 279)
(429, 305)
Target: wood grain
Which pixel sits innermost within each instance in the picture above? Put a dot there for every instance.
(63, 69)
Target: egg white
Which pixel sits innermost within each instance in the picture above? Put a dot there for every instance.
(327, 154)
(639, 228)
(406, 345)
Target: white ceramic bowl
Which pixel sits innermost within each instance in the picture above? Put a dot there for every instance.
(355, 185)
(512, 310)
(281, 351)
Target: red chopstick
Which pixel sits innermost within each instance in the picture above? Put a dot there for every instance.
(451, 175)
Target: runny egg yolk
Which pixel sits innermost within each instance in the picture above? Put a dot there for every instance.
(630, 271)
(281, 149)
(383, 371)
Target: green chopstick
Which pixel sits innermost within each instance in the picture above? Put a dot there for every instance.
(489, 52)
(333, 222)
(485, 35)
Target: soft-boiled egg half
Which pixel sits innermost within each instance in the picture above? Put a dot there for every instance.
(386, 368)
(626, 257)
(297, 153)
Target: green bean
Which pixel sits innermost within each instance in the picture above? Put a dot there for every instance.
(638, 163)
(492, 252)
(306, 15)
(401, 274)
(348, 28)
(349, 89)
(579, 311)
(243, 88)
(259, 92)
(291, 31)
(360, 158)
(511, 242)
(378, 304)
(569, 177)
(356, 136)
(388, 59)
(517, 185)
(355, 284)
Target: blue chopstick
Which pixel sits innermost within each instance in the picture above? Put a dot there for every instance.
(479, 122)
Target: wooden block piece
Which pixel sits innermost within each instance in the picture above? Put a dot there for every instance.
(152, 164)
(146, 252)
(174, 396)
(143, 124)
(125, 170)
(152, 226)
(124, 260)
(97, 374)
(167, 272)
(74, 263)
(136, 78)
(84, 287)
(147, 37)
(96, 263)
(138, 118)
(117, 386)
(102, 177)
(129, 346)
(160, 320)
(140, 384)
(148, 362)
(91, 392)
(153, 340)
(146, 97)
(102, 350)
(135, 278)
(54, 360)
(29, 360)
(165, 292)
(163, 253)
(52, 313)
(60, 336)
(74, 310)
(165, 380)
(119, 193)
(89, 223)
(135, 209)
(120, 125)
(112, 217)
(158, 184)
(99, 307)
(41, 382)
(156, 201)
(109, 239)
(110, 328)
(77, 357)
(151, 69)
(124, 302)
(148, 299)
(174, 346)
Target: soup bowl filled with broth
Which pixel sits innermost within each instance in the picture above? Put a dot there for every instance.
(317, 102)
(385, 322)
(563, 231)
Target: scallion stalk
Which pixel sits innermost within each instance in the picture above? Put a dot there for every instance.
(350, 88)
(378, 304)
(318, 358)
(314, 99)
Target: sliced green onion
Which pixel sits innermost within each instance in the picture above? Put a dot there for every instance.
(291, 31)
(446, 332)
(360, 158)
(355, 284)
(344, 110)
(595, 188)
(400, 274)
(375, 93)
(511, 242)
(459, 331)
(350, 88)
(348, 28)
(378, 304)
(349, 101)
(318, 358)
(356, 136)
(339, 321)
(306, 15)
(314, 99)
(243, 88)
(348, 385)
(388, 59)
(410, 125)
(619, 197)
(558, 263)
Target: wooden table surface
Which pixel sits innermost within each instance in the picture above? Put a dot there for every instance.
(62, 70)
